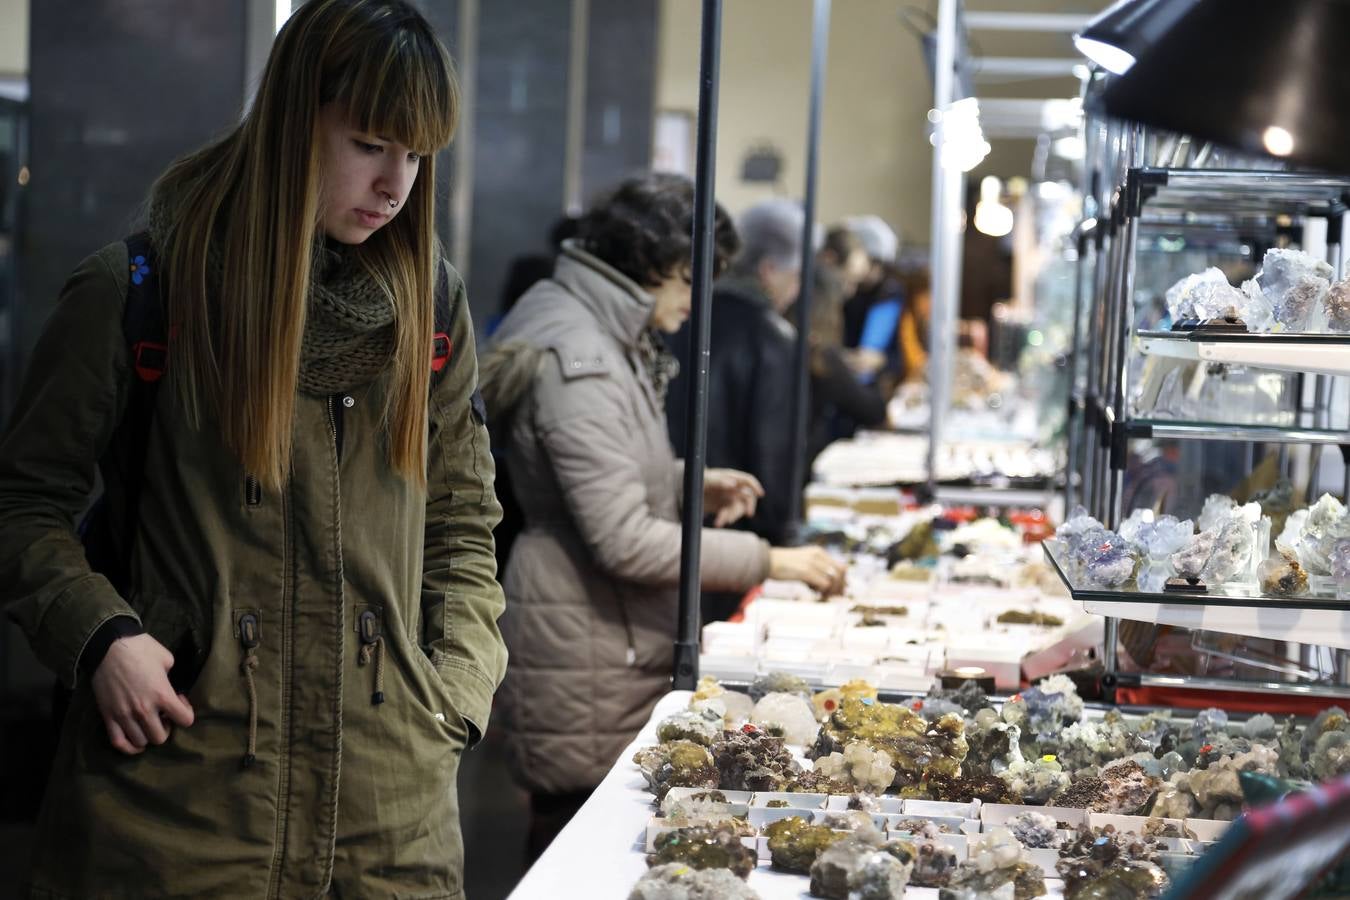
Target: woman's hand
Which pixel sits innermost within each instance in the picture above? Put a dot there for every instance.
(131, 687)
(812, 565)
(729, 495)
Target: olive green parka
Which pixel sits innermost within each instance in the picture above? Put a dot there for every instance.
(348, 797)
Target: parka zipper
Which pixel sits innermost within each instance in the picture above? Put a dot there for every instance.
(250, 636)
(252, 491)
(335, 422)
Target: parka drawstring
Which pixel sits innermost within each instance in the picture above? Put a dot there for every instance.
(372, 644)
(250, 637)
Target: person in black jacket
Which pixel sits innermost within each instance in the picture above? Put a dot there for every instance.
(752, 365)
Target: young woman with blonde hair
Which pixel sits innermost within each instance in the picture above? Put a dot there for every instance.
(272, 693)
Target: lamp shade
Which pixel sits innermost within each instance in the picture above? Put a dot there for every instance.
(1116, 38)
(1254, 75)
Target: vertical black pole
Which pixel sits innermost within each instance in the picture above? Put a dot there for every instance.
(686, 642)
(820, 40)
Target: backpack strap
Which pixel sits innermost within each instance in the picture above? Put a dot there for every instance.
(447, 313)
(147, 337)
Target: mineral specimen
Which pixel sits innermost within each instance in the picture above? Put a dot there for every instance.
(777, 804)
(1103, 865)
(859, 767)
(1175, 800)
(677, 881)
(677, 764)
(847, 820)
(788, 715)
(1084, 747)
(1035, 830)
(995, 862)
(1325, 524)
(1295, 283)
(921, 542)
(703, 806)
(969, 696)
(1217, 510)
(862, 867)
(1190, 561)
(708, 687)
(1045, 708)
(1181, 297)
(1035, 781)
(1086, 792)
(1259, 726)
(1282, 576)
(751, 760)
(779, 683)
(993, 743)
(915, 747)
(1331, 756)
(984, 787)
(1337, 306)
(922, 828)
(703, 848)
(934, 863)
(1127, 788)
(1157, 828)
(1217, 789)
(1021, 617)
(1111, 567)
(698, 726)
(794, 843)
(1233, 547)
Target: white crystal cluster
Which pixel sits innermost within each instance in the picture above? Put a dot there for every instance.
(868, 770)
(1292, 293)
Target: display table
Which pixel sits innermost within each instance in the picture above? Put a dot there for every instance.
(600, 856)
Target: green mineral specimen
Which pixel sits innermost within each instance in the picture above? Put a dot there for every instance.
(795, 843)
(703, 848)
(677, 764)
(777, 804)
(917, 748)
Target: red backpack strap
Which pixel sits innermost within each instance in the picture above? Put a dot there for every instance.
(442, 347)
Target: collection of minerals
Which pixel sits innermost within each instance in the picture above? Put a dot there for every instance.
(1228, 543)
(952, 791)
(1294, 293)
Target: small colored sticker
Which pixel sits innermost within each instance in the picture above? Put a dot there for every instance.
(139, 269)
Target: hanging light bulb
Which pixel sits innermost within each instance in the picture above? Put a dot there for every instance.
(991, 216)
(963, 143)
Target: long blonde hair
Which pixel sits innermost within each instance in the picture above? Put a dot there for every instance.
(236, 343)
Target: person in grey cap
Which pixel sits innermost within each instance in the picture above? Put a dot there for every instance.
(872, 314)
(751, 375)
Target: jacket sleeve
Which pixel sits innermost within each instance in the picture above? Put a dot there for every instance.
(461, 599)
(70, 403)
(770, 397)
(596, 464)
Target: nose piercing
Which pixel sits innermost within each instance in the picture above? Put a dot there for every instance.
(392, 203)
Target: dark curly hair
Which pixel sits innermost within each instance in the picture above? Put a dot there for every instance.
(645, 229)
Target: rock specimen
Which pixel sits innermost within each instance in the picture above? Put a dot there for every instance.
(1035, 781)
(915, 747)
(1282, 576)
(862, 866)
(1045, 708)
(703, 726)
(858, 768)
(788, 715)
(1104, 865)
(1035, 830)
(1084, 747)
(677, 881)
(779, 683)
(934, 863)
(995, 863)
(677, 764)
(1337, 306)
(1022, 617)
(703, 848)
(751, 760)
(794, 843)
(983, 787)
(993, 744)
(1126, 788)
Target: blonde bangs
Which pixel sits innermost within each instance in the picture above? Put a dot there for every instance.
(405, 91)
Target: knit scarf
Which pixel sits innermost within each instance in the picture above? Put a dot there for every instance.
(662, 367)
(349, 319)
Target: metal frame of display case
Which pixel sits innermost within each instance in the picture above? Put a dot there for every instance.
(1124, 196)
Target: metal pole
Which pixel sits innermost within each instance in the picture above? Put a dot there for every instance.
(695, 445)
(801, 408)
(940, 245)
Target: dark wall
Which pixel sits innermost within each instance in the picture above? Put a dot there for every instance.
(620, 91)
(118, 89)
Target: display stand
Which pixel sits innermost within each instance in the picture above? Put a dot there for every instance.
(1130, 197)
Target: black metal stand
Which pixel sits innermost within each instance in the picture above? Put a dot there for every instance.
(695, 448)
(801, 407)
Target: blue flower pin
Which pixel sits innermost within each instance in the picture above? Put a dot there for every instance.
(139, 269)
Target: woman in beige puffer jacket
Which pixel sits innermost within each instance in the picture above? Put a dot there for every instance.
(575, 386)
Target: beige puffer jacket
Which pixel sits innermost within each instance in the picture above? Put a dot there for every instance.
(591, 582)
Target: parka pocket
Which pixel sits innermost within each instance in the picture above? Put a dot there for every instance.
(171, 622)
(381, 650)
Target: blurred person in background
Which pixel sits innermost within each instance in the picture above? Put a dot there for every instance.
(839, 402)
(576, 380)
(872, 313)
